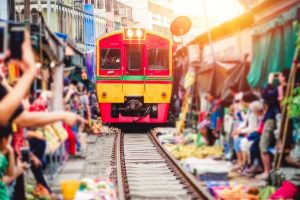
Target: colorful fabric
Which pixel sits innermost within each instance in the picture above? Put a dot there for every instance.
(71, 140)
(3, 167)
(39, 105)
(216, 115)
(273, 47)
(287, 191)
(18, 140)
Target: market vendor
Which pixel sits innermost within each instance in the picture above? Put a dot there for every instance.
(205, 136)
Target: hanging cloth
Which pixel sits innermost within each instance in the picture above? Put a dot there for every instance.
(273, 47)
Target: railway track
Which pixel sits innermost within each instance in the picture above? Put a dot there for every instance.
(146, 171)
(100, 157)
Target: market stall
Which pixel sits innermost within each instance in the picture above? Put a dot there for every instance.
(207, 165)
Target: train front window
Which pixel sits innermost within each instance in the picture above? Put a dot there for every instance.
(110, 59)
(134, 58)
(158, 59)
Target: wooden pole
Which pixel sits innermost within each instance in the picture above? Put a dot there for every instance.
(281, 142)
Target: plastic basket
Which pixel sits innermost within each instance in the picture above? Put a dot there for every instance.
(69, 189)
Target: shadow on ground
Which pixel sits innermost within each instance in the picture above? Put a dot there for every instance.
(136, 127)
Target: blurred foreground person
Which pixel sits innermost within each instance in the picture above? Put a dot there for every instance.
(13, 112)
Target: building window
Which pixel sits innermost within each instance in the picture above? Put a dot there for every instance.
(100, 4)
(108, 6)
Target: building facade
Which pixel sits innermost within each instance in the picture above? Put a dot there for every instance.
(155, 15)
(81, 20)
(110, 15)
(89, 27)
(62, 16)
(3, 9)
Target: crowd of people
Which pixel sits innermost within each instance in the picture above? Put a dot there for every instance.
(249, 127)
(23, 111)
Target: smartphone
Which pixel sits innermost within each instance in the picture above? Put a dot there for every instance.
(25, 154)
(16, 41)
(3, 38)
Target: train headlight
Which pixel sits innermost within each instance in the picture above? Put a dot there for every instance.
(129, 33)
(163, 94)
(134, 34)
(139, 33)
(154, 108)
(104, 94)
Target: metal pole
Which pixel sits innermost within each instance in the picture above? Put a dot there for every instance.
(27, 10)
(49, 12)
(12, 11)
(39, 6)
(208, 31)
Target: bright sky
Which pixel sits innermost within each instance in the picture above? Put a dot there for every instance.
(219, 10)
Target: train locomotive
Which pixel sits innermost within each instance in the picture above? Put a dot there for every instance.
(134, 76)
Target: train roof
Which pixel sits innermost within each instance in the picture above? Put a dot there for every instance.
(123, 30)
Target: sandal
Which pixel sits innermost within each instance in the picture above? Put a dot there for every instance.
(236, 167)
(262, 176)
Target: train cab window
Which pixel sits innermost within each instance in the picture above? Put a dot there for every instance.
(158, 59)
(134, 58)
(110, 59)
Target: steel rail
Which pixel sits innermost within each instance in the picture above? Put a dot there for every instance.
(121, 194)
(189, 179)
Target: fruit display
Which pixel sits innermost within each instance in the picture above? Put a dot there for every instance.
(98, 189)
(36, 193)
(185, 151)
(238, 193)
(96, 127)
(106, 130)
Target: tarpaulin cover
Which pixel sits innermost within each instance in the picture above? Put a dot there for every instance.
(273, 47)
(217, 77)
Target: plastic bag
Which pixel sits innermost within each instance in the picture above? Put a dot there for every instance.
(266, 192)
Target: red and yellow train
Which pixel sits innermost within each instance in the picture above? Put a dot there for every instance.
(134, 76)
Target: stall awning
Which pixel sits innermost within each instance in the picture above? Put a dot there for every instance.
(48, 47)
(273, 47)
(76, 57)
(217, 77)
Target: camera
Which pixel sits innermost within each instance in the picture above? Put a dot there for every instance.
(16, 40)
(3, 38)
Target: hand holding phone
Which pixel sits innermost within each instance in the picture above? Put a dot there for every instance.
(25, 154)
(27, 61)
(16, 41)
(3, 40)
